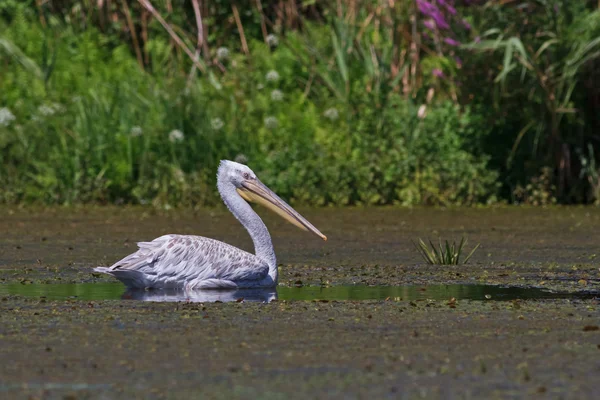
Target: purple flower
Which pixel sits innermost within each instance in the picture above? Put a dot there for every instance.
(451, 9)
(439, 14)
(451, 42)
(425, 7)
(437, 73)
(439, 19)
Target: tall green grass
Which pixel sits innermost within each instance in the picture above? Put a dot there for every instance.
(330, 103)
(93, 126)
(547, 54)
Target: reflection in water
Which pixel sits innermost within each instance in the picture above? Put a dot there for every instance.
(196, 296)
(116, 291)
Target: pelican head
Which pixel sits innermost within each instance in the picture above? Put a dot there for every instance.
(251, 189)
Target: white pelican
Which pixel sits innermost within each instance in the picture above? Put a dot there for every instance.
(195, 262)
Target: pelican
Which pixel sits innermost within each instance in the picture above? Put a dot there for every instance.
(195, 262)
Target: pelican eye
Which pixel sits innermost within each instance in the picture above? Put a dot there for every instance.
(246, 175)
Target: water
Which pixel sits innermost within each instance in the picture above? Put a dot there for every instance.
(116, 291)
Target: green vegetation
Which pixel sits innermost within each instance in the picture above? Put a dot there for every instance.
(349, 102)
(444, 254)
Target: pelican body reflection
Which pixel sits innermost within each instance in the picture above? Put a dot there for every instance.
(263, 295)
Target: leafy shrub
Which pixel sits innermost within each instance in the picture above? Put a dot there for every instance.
(92, 126)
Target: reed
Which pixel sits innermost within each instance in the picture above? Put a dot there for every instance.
(445, 253)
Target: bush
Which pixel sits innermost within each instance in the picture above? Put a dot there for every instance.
(322, 118)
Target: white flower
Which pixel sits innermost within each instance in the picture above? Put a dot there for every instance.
(178, 175)
(331, 114)
(272, 76)
(217, 123)
(175, 136)
(48, 110)
(6, 117)
(271, 123)
(58, 108)
(276, 95)
(422, 112)
(136, 131)
(272, 40)
(241, 158)
(222, 53)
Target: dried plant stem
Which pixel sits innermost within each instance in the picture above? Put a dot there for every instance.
(144, 34)
(134, 38)
(39, 4)
(414, 54)
(240, 27)
(263, 24)
(176, 38)
(279, 11)
(292, 14)
(201, 38)
(201, 43)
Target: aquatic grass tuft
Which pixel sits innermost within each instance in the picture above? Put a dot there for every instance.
(444, 254)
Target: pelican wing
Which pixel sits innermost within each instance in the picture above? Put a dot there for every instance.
(172, 259)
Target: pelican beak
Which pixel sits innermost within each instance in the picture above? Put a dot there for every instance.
(256, 191)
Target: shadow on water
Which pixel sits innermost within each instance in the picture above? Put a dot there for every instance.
(116, 291)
